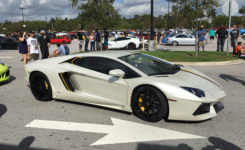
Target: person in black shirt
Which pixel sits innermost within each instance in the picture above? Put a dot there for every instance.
(221, 35)
(81, 38)
(235, 33)
(44, 42)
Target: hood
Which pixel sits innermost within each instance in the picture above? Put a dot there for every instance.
(189, 77)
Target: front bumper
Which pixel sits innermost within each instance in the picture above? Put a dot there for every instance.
(5, 75)
(191, 110)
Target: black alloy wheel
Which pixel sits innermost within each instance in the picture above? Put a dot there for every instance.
(40, 87)
(149, 104)
(132, 46)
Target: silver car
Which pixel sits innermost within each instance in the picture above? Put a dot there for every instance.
(181, 39)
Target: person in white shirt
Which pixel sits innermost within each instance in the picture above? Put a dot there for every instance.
(33, 52)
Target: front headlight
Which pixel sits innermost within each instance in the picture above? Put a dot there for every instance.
(2, 63)
(198, 92)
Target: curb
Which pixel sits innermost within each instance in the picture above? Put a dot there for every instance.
(223, 63)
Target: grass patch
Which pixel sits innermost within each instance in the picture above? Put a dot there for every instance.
(190, 56)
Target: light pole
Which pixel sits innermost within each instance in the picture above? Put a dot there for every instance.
(22, 9)
(151, 45)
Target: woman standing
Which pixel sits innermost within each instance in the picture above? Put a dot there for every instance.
(92, 42)
(23, 46)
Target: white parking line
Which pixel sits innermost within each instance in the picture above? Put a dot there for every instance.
(120, 132)
(6, 57)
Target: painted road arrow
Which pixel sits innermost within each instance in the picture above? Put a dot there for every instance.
(120, 132)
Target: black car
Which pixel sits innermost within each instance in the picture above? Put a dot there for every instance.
(8, 43)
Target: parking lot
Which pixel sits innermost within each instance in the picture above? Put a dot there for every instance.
(18, 108)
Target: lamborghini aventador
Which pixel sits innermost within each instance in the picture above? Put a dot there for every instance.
(149, 87)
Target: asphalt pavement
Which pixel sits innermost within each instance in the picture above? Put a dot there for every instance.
(19, 108)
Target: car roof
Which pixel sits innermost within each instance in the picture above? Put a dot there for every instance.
(110, 54)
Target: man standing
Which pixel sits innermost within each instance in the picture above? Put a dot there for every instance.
(235, 33)
(106, 39)
(44, 42)
(221, 35)
(98, 40)
(86, 41)
(32, 44)
(81, 39)
(201, 38)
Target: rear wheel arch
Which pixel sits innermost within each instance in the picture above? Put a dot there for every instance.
(154, 87)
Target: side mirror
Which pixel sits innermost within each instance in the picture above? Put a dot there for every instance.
(117, 73)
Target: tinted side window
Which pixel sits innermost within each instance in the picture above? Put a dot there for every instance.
(180, 36)
(104, 65)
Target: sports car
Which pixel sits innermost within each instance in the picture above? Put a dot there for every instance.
(151, 88)
(4, 72)
(129, 43)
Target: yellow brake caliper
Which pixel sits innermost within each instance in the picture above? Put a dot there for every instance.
(46, 85)
(142, 108)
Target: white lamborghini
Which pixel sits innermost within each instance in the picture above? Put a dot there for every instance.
(147, 86)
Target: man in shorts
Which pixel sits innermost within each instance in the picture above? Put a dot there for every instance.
(201, 38)
(81, 39)
(33, 52)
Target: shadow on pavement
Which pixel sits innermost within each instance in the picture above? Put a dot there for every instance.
(217, 143)
(232, 78)
(3, 110)
(24, 145)
(12, 78)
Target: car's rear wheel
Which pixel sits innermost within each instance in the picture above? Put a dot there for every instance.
(40, 87)
(149, 104)
(175, 43)
(1, 47)
(131, 46)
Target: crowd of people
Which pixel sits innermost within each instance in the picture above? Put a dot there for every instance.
(95, 40)
(30, 45)
(221, 34)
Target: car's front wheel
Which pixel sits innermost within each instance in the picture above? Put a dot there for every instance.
(131, 46)
(40, 87)
(175, 43)
(149, 104)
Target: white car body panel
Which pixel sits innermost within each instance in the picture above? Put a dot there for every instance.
(104, 90)
(188, 40)
(120, 44)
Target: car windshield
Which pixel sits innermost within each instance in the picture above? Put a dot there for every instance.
(150, 65)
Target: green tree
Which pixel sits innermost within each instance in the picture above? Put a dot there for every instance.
(242, 11)
(97, 13)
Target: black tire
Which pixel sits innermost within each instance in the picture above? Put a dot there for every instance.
(175, 43)
(40, 87)
(131, 46)
(1, 47)
(149, 104)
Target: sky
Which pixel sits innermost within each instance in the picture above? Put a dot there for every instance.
(39, 9)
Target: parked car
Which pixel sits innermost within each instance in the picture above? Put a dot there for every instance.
(8, 43)
(4, 72)
(242, 31)
(60, 39)
(143, 35)
(149, 87)
(164, 39)
(130, 43)
(181, 39)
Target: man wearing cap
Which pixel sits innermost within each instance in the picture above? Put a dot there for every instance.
(201, 38)
(44, 42)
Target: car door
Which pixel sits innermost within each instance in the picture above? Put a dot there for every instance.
(95, 80)
(180, 38)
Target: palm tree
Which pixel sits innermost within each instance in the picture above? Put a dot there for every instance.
(242, 11)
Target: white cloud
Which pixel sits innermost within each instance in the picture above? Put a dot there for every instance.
(39, 9)
(129, 8)
(35, 9)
